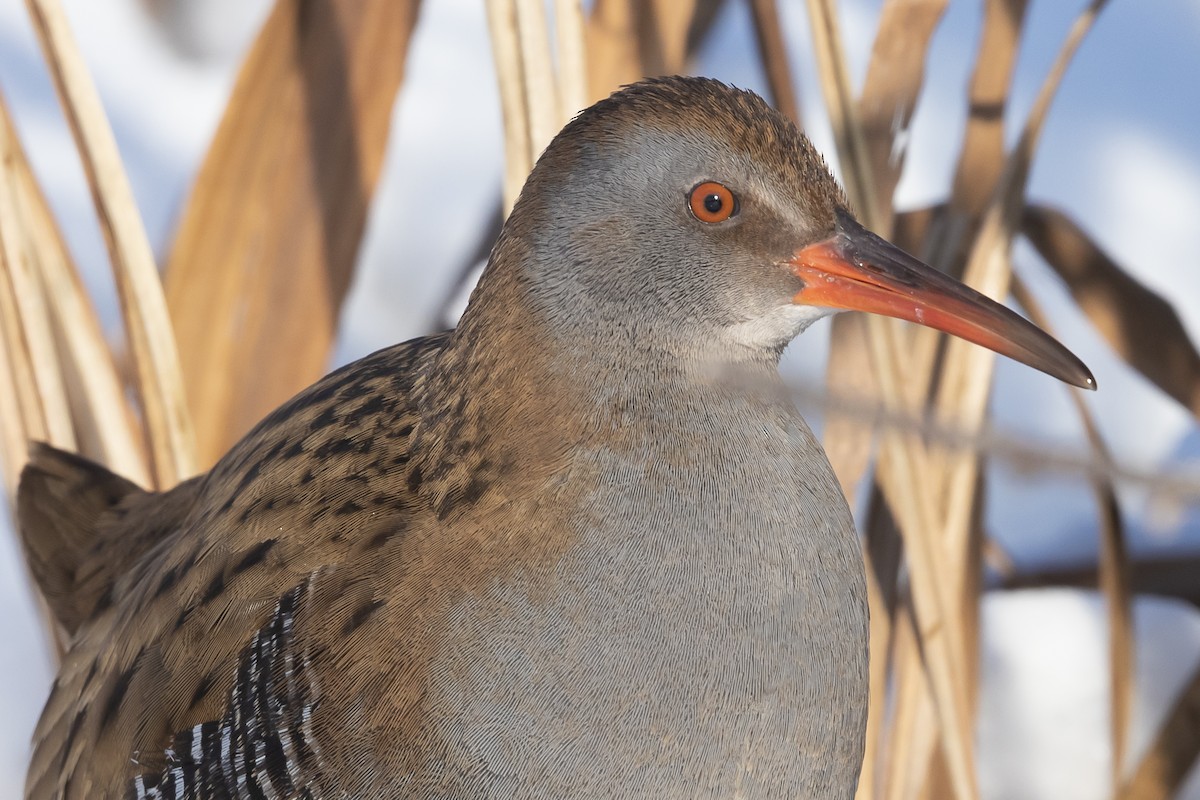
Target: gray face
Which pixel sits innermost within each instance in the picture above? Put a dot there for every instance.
(617, 242)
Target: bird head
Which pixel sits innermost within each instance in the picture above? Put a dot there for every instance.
(687, 213)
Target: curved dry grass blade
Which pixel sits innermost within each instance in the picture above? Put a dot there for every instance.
(160, 382)
(1140, 325)
(47, 414)
(104, 423)
(14, 445)
(966, 377)
(572, 59)
(510, 78)
(839, 99)
(847, 443)
(1172, 753)
(894, 79)
(541, 88)
(27, 423)
(630, 39)
(902, 457)
(913, 733)
(1114, 562)
(967, 370)
(981, 158)
(880, 635)
(267, 244)
(772, 51)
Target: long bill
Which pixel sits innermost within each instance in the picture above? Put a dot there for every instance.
(856, 270)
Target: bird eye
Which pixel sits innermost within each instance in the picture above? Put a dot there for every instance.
(712, 202)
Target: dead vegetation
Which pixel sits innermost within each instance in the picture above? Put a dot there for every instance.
(216, 344)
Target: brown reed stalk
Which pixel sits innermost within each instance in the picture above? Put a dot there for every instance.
(1114, 571)
(924, 665)
(267, 243)
(26, 306)
(151, 339)
(1141, 326)
(103, 421)
(901, 459)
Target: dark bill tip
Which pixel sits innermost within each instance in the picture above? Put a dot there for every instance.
(857, 270)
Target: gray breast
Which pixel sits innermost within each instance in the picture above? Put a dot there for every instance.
(707, 639)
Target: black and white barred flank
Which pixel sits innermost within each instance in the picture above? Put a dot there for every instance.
(262, 747)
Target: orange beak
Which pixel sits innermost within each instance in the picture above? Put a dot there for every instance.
(855, 269)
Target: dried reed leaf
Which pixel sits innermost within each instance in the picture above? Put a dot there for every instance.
(30, 308)
(772, 52)
(894, 79)
(14, 445)
(913, 733)
(535, 102)
(1114, 563)
(104, 422)
(839, 99)
(1140, 325)
(847, 445)
(980, 162)
(882, 560)
(941, 634)
(20, 357)
(847, 442)
(572, 57)
(267, 244)
(901, 457)
(510, 79)
(1172, 753)
(967, 369)
(966, 375)
(159, 380)
(981, 158)
(913, 229)
(541, 87)
(1173, 576)
(27, 423)
(631, 39)
(895, 75)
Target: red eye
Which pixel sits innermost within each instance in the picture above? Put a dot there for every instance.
(712, 202)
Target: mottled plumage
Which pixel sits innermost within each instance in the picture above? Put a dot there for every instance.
(582, 546)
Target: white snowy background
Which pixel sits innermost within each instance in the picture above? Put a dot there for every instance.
(1121, 152)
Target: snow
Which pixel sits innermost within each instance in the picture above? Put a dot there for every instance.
(1043, 716)
(1119, 152)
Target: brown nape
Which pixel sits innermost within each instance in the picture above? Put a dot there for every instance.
(549, 554)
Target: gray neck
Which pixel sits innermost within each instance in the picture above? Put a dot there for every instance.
(598, 368)
(708, 618)
(708, 624)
